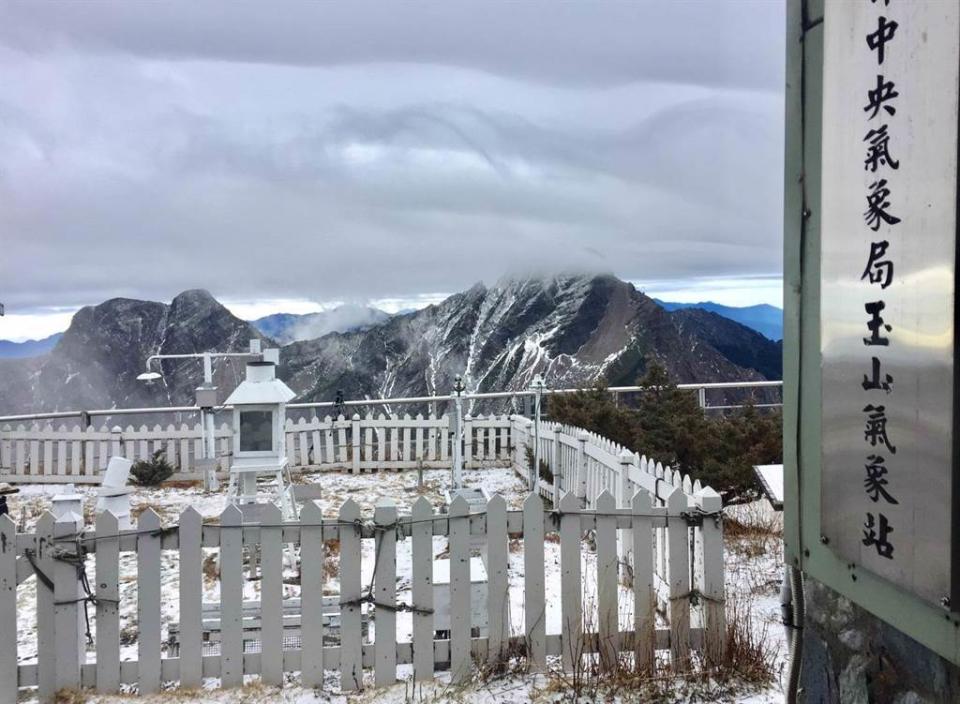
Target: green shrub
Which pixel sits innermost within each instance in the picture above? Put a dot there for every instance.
(151, 472)
(668, 425)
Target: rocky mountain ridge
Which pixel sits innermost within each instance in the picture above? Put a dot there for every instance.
(574, 329)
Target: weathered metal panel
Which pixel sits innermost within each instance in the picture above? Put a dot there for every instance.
(887, 279)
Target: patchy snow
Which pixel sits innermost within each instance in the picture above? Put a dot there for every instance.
(753, 571)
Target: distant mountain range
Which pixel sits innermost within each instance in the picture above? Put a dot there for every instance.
(289, 327)
(765, 319)
(284, 328)
(573, 329)
(28, 348)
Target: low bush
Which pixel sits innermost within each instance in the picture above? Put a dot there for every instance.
(668, 425)
(151, 472)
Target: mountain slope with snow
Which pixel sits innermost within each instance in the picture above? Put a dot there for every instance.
(573, 329)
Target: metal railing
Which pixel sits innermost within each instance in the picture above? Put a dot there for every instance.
(616, 391)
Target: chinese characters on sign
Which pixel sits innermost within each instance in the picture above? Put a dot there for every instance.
(888, 233)
(879, 270)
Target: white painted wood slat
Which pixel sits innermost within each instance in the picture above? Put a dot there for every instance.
(385, 593)
(498, 602)
(148, 601)
(191, 597)
(108, 604)
(608, 628)
(351, 672)
(231, 597)
(460, 622)
(271, 595)
(571, 592)
(422, 589)
(534, 600)
(312, 556)
(8, 610)
(644, 598)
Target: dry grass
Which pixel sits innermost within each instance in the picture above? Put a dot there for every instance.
(749, 663)
(70, 696)
(211, 569)
(752, 530)
(750, 656)
(331, 563)
(142, 506)
(182, 484)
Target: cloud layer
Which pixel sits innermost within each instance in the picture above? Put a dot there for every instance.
(360, 151)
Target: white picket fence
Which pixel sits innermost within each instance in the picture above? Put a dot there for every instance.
(588, 466)
(603, 621)
(649, 523)
(45, 454)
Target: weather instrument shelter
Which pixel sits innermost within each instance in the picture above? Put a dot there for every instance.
(259, 447)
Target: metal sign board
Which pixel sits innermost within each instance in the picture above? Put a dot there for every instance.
(888, 253)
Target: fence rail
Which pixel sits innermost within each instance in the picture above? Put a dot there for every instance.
(432, 401)
(596, 615)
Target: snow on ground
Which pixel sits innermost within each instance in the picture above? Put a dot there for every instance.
(753, 564)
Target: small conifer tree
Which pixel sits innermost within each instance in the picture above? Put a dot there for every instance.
(151, 472)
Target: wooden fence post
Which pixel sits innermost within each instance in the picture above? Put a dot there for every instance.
(713, 578)
(68, 602)
(571, 588)
(625, 536)
(608, 629)
(231, 597)
(149, 599)
(644, 595)
(555, 466)
(271, 596)
(312, 556)
(108, 603)
(8, 610)
(581, 478)
(351, 646)
(46, 638)
(460, 613)
(678, 545)
(533, 480)
(498, 602)
(385, 593)
(534, 610)
(190, 534)
(6, 457)
(355, 441)
(422, 590)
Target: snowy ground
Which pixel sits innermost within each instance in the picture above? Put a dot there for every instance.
(753, 573)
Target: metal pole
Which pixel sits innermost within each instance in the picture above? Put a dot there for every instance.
(458, 443)
(535, 472)
(537, 385)
(458, 388)
(211, 452)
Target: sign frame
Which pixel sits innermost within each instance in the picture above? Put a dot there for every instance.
(935, 626)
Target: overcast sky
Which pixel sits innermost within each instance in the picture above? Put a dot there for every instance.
(293, 154)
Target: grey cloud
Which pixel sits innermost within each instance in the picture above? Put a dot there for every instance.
(565, 42)
(141, 157)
